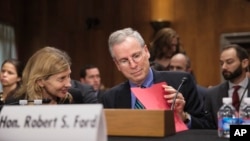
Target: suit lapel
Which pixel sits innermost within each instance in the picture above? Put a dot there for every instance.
(124, 96)
(224, 93)
(248, 88)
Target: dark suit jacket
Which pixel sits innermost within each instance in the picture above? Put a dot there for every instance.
(77, 95)
(213, 100)
(120, 95)
(100, 94)
(88, 93)
(202, 91)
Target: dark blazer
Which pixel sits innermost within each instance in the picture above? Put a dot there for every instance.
(120, 95)
(213, 100)
(88, 93)
(100, 94)
(202, 91)
(77, 95)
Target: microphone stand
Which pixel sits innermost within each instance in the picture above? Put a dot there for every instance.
(182, 82)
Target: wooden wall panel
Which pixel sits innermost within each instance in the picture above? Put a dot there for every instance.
(8, 11)
(196, 29)
(62, 23)
(200, 24)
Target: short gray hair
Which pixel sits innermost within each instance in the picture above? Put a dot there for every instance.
(120, 35)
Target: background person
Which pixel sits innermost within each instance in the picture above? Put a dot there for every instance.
(181, 62)
(11, 79)
(87, 91)
(234, 65)
(90, 74)
(164, 45)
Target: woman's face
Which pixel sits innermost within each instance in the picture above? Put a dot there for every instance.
(171, 49)
(174, 44)
(56, 85)
(8, 75)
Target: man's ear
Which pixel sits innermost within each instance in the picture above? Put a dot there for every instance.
(147, 51)
(245, 63)
(117, 65)
(189, 70)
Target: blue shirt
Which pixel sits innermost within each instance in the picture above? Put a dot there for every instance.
(147, 83)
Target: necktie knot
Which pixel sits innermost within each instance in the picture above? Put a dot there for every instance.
(142, 86)
(236, 88)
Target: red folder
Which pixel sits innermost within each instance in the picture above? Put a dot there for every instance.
(153, 99)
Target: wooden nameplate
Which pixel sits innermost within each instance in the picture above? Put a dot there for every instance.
(146, 123)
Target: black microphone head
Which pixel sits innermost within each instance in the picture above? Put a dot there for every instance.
(46, 100)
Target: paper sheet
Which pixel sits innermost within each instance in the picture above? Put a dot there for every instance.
(153, 99)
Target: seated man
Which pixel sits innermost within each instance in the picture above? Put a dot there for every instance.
(131, 56)
(90, 75)
(234, 65)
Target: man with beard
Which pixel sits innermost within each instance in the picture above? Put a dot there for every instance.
(234, 65)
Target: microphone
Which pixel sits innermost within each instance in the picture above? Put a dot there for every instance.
(25, 102)
(46, 100)
(183, 80)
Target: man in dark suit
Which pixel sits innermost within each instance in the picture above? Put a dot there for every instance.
(131, 56)
(90, 74)
(234, 65)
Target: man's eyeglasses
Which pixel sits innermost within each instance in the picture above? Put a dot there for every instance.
(136, 58)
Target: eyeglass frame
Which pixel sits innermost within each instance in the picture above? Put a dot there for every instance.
(135, 58)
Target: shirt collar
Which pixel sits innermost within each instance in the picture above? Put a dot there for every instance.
(147, 82)
(243, 83)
